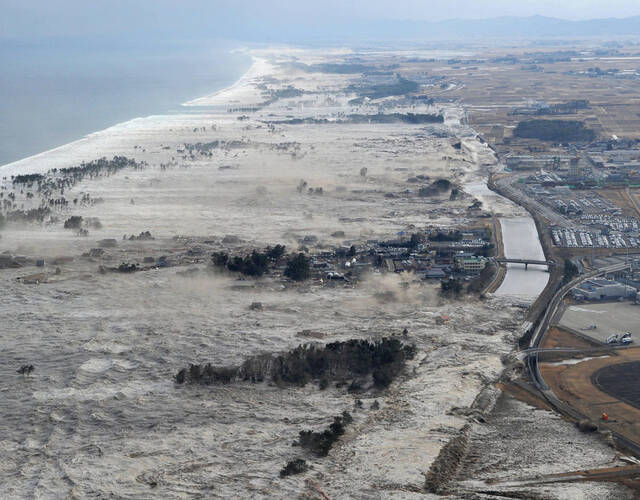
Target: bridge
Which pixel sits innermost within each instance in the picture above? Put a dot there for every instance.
(526, 262)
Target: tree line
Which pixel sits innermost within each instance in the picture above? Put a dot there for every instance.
(362, 361)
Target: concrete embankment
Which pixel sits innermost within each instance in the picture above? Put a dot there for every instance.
(501, 271)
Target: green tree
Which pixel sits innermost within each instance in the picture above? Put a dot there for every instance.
(220, 259)
(416, 240)
(275, 252)
(450, 288)
(570, 271)
(298, 268)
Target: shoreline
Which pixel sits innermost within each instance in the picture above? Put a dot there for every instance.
(252, 72)
(256, 70)
(217, 180)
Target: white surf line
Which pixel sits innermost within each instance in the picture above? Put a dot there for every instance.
(259, 68)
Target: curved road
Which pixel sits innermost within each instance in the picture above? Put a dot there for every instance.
(538, 336)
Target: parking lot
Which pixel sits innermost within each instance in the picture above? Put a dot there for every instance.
(571, 238)
(608, 318)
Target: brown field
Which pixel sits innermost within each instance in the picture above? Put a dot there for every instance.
(558, 337)
(489, 91)
(634, 195)
(622, 199)
(573, 384)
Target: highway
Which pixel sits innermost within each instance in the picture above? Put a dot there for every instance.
(555, 301)
(508, 190)
(538, 336)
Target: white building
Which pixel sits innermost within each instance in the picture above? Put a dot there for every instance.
(601, 289)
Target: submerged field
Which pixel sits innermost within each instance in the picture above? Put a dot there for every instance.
(101, 415)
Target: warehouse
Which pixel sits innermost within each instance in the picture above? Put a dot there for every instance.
(602, 289)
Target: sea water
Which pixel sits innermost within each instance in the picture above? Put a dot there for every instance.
(55, 93)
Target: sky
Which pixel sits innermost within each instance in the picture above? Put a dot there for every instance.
(173, 18)
(438, 10)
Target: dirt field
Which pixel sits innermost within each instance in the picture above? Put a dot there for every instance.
(573, 384)
(622, 199)
(557, 337)
(489, 92)
(619, 381)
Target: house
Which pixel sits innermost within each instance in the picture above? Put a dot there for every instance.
(436, 272)
(443, 319)
(471, 265)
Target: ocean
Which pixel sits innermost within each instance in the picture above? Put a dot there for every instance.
(54, 94)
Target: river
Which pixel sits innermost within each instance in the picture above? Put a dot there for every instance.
(520, 240)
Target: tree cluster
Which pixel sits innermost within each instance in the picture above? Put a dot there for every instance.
(450, 236)
(31, 215)
(298, 267)
(73, 222)
(379, 361)
(416, 240)
(378, 91)
(319, 443)
(336, 68)
(478, 283)
(554, 130)
(436, 187)
(451, 288)
(27, 179)
(143, 236)
(297, 466)
(125, 267)
(570, 271)
(52, 184)
(254, 264)
(410, 118)
(442, 184)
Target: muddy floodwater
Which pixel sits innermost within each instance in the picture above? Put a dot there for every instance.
(269, 161)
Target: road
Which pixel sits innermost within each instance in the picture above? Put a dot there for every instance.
(555, 301)
(538, 336)
(517, 195)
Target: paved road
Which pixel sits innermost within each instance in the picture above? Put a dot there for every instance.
(538, 336)
(555, 301)
(507, 184)
(554, 218)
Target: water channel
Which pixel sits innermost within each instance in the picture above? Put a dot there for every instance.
(520, 240)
